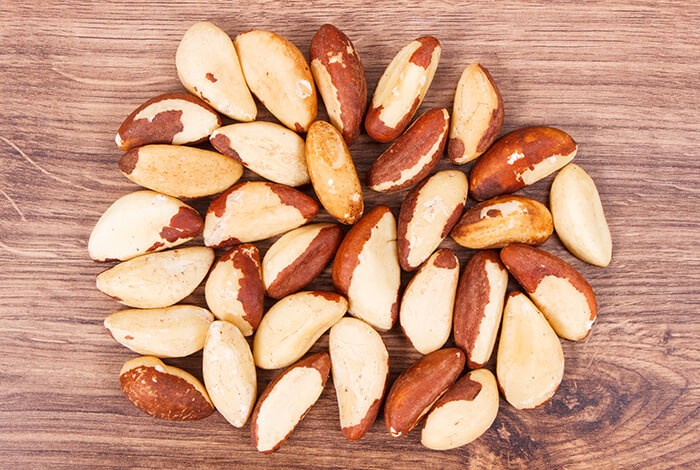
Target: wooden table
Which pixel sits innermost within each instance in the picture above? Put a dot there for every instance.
(622, 79)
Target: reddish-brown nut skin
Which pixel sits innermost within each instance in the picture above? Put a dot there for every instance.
(308, 265)
(416, 390)
(338, 56)
(318, 361)
(529, 265)
(500, 169)
(251, 291)
(420, 147)
(162, 128)
(187, 223)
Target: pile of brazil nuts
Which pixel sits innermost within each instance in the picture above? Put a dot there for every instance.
(142, 230)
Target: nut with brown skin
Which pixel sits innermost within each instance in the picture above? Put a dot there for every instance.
(559, 291)
(530, 360)
(401, 89)
(340, 78)
(360, 363)
(518, 159)
(366, 269)
(286, 400)
(465, 412)
(268, 149)
(234, 290)
(208, 67)
(413, 156)
(417, 389)
(333, 173)
(428, 302)
(172, 118)
(142, 222)
(255, 211)
(502, 220)
(277, 73)
(163, 391)
(298, 257)
(479, 306)
(427, 215)
(477, 115)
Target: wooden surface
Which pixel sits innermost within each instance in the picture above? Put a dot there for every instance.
(622, 79)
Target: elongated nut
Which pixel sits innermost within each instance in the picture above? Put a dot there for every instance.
(530, 361)
(366, 269)
(428, 301)
(277, 73)
(502, 220)
(172, 118)
(340, 78)
(465, 412)
(333, 173)
(578, 216)
(176, 331)
(559, 291)
(229, 372)
(298, 257)
(163, 391)
(142, 222)
(477, 116)
(255, 211)
(234, 290)
(270, 150)
(428, 214)
(416, 390)
(360, 364)
(208, 67)
(518, 159)
(292, 326)
(479, 306)
(413, 156)
(401, 89)
(286, 400)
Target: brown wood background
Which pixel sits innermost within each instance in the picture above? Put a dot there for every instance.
(622, 78)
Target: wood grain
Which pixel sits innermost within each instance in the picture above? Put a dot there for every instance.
(621, 78)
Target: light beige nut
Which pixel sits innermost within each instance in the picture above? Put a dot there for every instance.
(268, 149)
(413, 156)
(360, 364)
(578, 216)
(428, 301)
(366, 269)
(234, 290)
(401, 89)
(255, 211)
(208, 67)
(477, 115)
(163, 391)
(142, 222)
(559, 291)
(340, 78)
(277, 73)
(479, 306)
(518, 159)
(298, 257)
(333, 173)
(172, 118)
(417, 389)
(229, 372)
(286, 400)
(293, 325)
(176, 331)
(158, 279)
(502, 220)
(428, 214)
(530, 361)
(465, 412)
